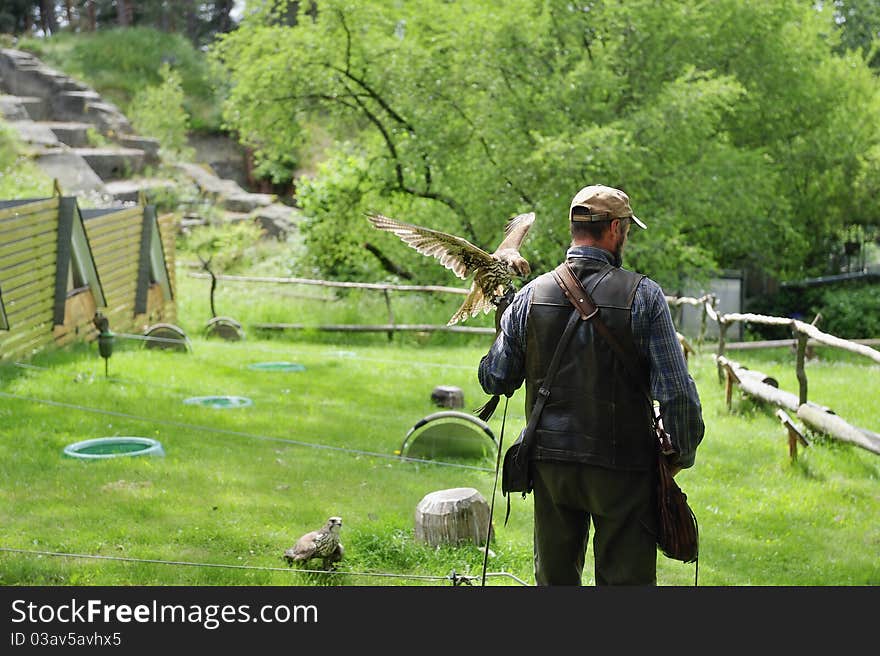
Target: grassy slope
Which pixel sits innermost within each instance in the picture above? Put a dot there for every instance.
(240, 498)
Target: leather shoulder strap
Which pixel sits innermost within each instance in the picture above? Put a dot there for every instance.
(576, 293)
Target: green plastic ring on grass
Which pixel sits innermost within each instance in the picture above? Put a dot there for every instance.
(112, 447)
(277, 366)
(219, 401)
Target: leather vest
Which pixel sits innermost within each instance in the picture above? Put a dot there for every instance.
(595, 413)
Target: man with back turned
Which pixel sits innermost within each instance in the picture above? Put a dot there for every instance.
(593, 461)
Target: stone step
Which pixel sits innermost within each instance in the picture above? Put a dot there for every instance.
(17, 108)
(113, 163)
(37, 108)
(36, 134)
(130, 190)
(207, 181)
(72, 133)
(72, 171)
(72, 105)
(149, 145)
(13, 109)
(108, 118)
(244, 201)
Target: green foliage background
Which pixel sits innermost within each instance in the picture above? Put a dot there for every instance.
(743, 130)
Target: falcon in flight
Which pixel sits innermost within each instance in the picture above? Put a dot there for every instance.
(493, 272)
(323, 543)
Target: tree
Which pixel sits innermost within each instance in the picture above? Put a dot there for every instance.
(742, 132)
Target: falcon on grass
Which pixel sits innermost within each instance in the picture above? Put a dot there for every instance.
(493, 272)
(323, 543)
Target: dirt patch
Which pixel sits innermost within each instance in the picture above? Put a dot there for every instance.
(128, 486)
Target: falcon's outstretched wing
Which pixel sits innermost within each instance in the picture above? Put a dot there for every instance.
(515, 231)
(456, 254)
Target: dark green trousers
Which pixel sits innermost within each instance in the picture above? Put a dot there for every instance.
(568, 497)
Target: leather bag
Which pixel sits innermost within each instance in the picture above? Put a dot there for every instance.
(678, 535)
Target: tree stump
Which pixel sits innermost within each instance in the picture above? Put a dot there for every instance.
(447, 396)
(454, 516)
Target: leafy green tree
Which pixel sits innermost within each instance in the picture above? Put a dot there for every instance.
(158, 111)
(743, 132)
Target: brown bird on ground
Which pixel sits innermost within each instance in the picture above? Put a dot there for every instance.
(323, 543)
(493, 272)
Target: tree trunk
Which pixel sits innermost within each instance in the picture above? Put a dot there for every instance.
(124, 12)
(222, 11)
(92, 16)
(48, 21)
(455, 516)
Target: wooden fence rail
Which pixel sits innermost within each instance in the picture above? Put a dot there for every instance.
(817, 417)
(390, 328)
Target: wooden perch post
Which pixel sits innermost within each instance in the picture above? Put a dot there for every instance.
(685, 346)
(730, 377)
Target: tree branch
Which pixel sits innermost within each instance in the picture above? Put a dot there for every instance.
(387, 264)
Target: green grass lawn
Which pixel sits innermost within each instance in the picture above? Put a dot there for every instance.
(237, 486)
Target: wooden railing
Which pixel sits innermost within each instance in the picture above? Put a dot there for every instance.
(755, 384)
(391, 327)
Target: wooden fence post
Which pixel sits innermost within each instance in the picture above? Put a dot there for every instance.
(801, 372)
(794, 435)
(390, 314)
(703, 317)
(722, 331)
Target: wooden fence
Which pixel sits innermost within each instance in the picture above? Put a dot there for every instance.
(754, 383)
(390, 328)
(764, 388)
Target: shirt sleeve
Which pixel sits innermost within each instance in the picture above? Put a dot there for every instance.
(671, 383)
(502, 370)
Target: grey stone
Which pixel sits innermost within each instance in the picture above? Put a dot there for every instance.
(244, 201)
(277, 220)
(35, 133)
(130, 190)
(73, 173)
(75, 135)
(13, 109)
(149, 145)
(113, 163)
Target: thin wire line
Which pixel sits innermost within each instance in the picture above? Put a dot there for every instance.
(184, 563)
(225, 431)
(494, 488)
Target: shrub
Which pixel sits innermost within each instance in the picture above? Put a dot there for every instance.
(158, 111)
(851, 311)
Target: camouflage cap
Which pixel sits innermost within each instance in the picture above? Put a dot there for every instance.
(601, 203)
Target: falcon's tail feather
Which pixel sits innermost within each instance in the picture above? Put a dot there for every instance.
(474, 303)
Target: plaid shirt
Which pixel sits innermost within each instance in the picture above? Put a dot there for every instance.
(502, 369)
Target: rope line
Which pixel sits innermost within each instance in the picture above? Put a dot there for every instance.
(226, 431)
(455, 578)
